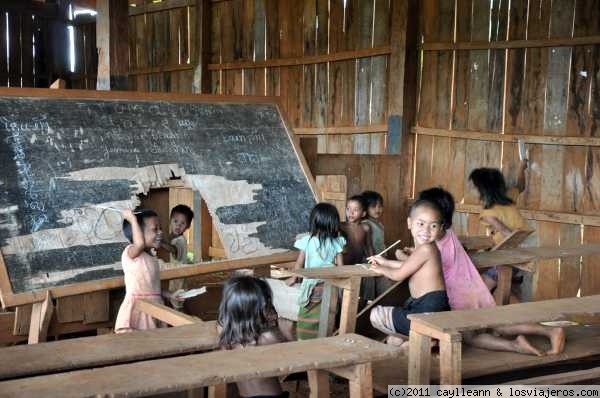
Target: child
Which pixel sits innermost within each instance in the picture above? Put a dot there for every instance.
(423, 270)
(466, 289)
(358, 238)
(500, 215)
(323, 248)
(176, 244)
(247, 318)
(140, 266)
(374, 202)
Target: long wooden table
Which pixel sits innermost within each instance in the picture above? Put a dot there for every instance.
(447, 327)
(349, 356)
(348, 277)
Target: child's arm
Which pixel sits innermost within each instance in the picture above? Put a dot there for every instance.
(368, 240)
(165, 244)
(497, 225)
(299, 265)
(339, 259)
(137, 247)
(409, 267)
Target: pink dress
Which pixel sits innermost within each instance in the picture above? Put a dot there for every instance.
(142, 280)
(464, 285)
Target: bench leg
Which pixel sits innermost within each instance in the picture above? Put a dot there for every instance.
(502, 292)
(41, 314)
(328, 310)
(450, 362)
(361, 386)
(318, 383)
(218, 391)
(349, 306)
(419, 358)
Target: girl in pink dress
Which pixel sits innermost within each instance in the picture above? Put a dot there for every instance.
(466, 290)
(140, 266)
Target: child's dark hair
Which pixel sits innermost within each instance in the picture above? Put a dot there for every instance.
(141, 215)
(371, 198)
(491, 186)
(360, 200)
(243, 312)
(426, 202)
(185, 210)
(324, 222)
(444, 200)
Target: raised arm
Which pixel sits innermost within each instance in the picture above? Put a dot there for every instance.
(137, 247)
(497, 225)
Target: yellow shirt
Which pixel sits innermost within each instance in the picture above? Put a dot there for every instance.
(509, 215)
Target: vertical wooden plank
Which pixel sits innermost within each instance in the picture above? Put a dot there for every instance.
(450, 362)
(349, 306)
(309, 40)
(22, 320)
(96, 307)
(318, 109)
(216, 43)
(27, 50)
(132, 46)
(14, 56)
(259, 45)
(379, 68)
(419, 359)
(362, 116)
(318, 383)
(141, 48)
(272, 49)
(361, 386)
(173, 50)
(337, 77)
(247, 36)
(3, 60)
(348, 75)
(70, 309)
(590, 267)
(227, 46)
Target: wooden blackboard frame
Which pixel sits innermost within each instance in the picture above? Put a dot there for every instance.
(10, 299)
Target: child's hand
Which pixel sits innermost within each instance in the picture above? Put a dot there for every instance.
(400, 255)
(377, 260)
(376, 268)
(175, 296)
(291, 281)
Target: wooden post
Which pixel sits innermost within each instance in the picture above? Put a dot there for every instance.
(450, 362)
(349, 305)
(201, 54)
(218, 391)
(318, 383)
(361, 386)
(111, 40)
(328, 310)
(41, 313)
(419, 358)
(502, 292)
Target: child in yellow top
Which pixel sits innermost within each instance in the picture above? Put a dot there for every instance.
(500, 214)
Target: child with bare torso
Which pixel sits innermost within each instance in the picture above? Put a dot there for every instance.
(422, 268)
(358, 241)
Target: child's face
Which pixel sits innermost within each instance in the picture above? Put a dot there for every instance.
(425, 225)
(179, 224)
(152, 232)
(375, 211)
(354, 211)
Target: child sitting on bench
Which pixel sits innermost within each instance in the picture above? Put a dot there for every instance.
(422, 268)
(246, 318)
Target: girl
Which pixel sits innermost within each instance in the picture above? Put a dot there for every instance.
(500, 215)
(466, 289)
(247, 318)
(323, 248)
(140, 266)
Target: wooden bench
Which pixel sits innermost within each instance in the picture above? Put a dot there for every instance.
(348, 277)
(349, 356)
(582, 342)
(447, 327)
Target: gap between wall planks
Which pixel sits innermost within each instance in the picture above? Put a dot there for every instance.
(551, 100)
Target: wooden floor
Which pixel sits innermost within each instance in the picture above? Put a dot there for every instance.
(582, 342)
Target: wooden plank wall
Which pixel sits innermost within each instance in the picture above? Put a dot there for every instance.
(492, 70)
(86, 57)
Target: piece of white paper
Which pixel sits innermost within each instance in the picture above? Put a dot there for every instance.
(192, 293)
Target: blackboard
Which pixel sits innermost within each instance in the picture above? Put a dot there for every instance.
(65, 159)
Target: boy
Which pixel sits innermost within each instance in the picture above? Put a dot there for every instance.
(422, 268)
(176, 244)
(374, 203)
(358, 241)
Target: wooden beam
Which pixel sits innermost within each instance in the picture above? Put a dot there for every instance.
(296, 61)
(41, 313)
(160, 69)
(485, 45)
(112, 30)
(165, 314)
(164, 5)
(541, 215)
(526, 138)
(201, 52)
(103, 44)
(373, 128)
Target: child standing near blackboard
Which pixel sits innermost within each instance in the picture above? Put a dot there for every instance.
(140, 266)
(176, 244)
(322, 248)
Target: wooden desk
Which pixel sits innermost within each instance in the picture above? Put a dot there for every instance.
(349, 356)
(474, 243)
(109, 349)
(447, 327)
(348, 277)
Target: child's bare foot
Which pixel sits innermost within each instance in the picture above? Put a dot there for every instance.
(557, 340)
(395, 341)
(524, 347)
